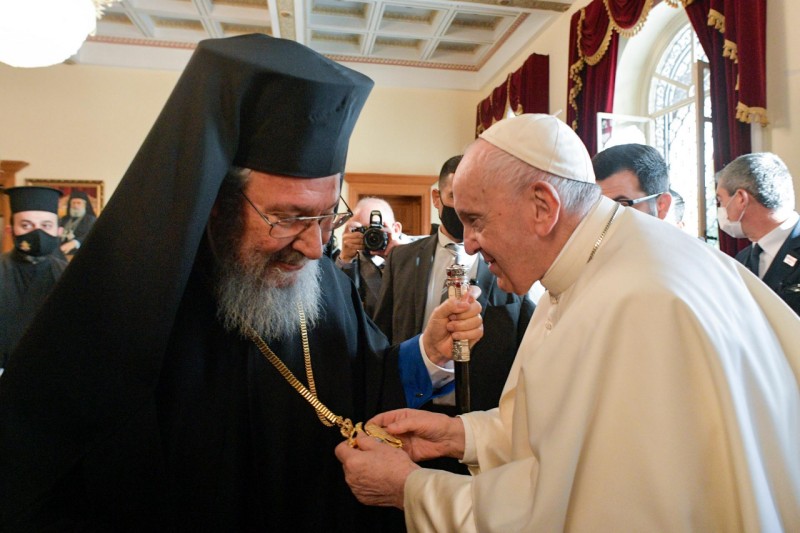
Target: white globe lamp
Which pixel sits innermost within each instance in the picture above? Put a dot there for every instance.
(40, 33)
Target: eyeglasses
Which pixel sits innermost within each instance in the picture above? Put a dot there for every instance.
(630, 203)
(283, 228)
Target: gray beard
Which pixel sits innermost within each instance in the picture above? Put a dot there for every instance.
(258, 295)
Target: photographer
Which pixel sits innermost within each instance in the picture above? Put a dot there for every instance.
(366, 242)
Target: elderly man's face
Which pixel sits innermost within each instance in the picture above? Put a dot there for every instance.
(263, 273)
(496, 223)
(77, 207)
(278, 197)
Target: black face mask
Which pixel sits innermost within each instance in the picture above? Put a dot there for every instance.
(36, 243)
(451, 223)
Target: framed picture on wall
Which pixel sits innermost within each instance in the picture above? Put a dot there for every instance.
(93, 189)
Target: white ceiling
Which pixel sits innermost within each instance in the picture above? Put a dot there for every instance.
(401, 43)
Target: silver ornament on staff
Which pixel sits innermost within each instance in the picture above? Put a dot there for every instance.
(457, 285)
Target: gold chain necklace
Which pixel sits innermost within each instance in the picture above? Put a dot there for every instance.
(603, 234)
(326, 416)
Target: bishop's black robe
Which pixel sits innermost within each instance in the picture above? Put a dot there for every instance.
(225, 443)
(145, 415)
(24, 285)
(80, 231)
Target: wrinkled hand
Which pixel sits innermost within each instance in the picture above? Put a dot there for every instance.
(425, 435)
(454, 319)
(375, 471)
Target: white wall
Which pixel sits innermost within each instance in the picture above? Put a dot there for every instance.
(404, 131)
(782, 135)
(85, 122)
(77, 122)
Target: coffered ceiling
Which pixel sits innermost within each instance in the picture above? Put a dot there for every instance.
(406, 43)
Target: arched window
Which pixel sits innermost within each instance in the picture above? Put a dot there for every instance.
(678, 83)
(663, 79)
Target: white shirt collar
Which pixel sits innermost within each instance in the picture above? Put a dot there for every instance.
(465, 258)
(573, 257)
(771, 242)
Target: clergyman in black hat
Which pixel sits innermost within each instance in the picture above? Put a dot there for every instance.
(76, 223)
(174, 400)
(30, 270)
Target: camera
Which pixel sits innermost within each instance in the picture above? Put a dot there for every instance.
(375, 239)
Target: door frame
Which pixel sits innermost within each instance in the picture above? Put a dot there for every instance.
(381, 185)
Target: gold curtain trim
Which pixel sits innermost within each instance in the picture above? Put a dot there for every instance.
(630, 32)
(519, 110)
(508, 94)
(575, 75)
(480, 129)
(576, 68)
(595, 58)
(751, 115)
(730, 50)
(716, 19)
(575, 71)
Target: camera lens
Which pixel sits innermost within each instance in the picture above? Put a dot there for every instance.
(375, 239)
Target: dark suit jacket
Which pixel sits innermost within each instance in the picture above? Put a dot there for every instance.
(401, 309)
(781, 277)
(369, 281)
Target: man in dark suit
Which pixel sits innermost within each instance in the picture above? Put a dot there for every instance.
(756, 200)
(364, 264)
(413, 279)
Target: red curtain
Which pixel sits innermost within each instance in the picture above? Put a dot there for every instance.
(592, 72)
(526, 90)
(484, 113)
(529, 86)
(738, 91)
(628, 16)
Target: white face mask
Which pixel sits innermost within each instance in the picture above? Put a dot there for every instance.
(732, 228)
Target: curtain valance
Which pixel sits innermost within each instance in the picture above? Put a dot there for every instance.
(526, 90)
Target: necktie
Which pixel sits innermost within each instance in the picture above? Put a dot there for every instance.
(752, 261)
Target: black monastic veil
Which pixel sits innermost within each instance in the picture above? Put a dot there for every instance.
(141, 413)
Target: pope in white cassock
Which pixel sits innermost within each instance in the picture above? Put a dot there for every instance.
(656, 388)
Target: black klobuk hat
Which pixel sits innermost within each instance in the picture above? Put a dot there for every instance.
(33, 199)
(301, 106)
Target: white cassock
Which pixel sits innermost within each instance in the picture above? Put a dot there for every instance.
(656, 389)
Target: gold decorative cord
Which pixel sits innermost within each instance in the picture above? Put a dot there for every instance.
(326, 416)
(603, 234)
(307, 360)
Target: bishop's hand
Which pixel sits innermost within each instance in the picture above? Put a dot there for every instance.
(375, 471)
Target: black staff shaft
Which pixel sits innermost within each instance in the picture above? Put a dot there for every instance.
(462, 387)
(458, 285)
